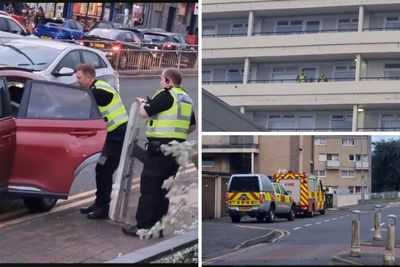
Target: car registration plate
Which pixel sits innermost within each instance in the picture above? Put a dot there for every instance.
(45, 37)
(245, 208)
(99, 45)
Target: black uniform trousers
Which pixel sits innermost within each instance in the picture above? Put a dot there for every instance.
(107, 164)
(153, 203)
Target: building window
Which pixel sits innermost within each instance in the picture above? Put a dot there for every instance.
(235, 76)
(289, 26)
(390, 121)
(239, 29)
(392, 22)
(320, 141)
(347, 24)
(321, 173)
(364, 157)
(284, 122)
(322, 157)
(348, 174)
(241, 140)
(206, 76)
(392, 71)
(207, 161)
(209, 30)
(341, 122)
(347, 142)
(344, 73)
(333, 157)
(284, 74)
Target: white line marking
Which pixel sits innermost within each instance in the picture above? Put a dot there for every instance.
(382, 223)
(347, 215)
(318, 222)
(326, 220)
(341, 217)
(334, 219)
(297, 228)
(249, 226)
(372, 229)
(308, 225)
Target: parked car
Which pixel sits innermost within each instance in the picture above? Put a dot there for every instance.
(114, 42)
(256, 196)
(62, 29)
(11, 25)
(56, 61)
(105, 25)
(165, 41)
(138, 32)
(48, 133)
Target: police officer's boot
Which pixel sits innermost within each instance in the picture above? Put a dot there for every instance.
(86, 210)
(99, 213)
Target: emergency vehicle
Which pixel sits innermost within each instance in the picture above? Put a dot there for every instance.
(256, 196)
(306, 190)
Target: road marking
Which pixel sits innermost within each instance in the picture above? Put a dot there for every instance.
(283, 233)
(318, 222)
(372, 229)
(308, 225)
(341, 217)
(382, 223)
(297, 228)
(326, 220)
(347, 215)
(334, 219)
(249, 226)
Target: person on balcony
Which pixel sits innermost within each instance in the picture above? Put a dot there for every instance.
(322, 78)
(301, 78)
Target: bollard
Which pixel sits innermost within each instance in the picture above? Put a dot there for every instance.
(377, 234)
(388, 258)
(355, 250)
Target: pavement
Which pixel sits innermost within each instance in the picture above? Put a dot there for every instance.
(64, 235)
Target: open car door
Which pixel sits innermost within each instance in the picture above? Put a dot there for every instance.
(7, 137)
(59, 128)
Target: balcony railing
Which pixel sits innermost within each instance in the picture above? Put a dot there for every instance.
(381, 29)
(310, 130)
(332, 164)
(365, 165)
(263, 33)
(380, 78)
(314, 80)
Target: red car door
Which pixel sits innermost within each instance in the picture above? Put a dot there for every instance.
(58, 127)
(7, 137)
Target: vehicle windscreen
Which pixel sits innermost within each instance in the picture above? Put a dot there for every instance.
(27, 56)
(155, 38)
(104, 33)
(244, 184)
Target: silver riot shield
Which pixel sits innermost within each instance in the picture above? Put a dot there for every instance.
(124, 174)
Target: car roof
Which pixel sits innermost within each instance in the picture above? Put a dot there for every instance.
(44, 43)
(162, 33)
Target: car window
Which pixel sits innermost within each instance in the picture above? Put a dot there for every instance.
(3, 25)
(14, 27)
(121, 37)
(92, 58)
(244, 184)
(71, 60)
(56, 101)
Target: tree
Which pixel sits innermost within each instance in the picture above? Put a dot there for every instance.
(386, 165)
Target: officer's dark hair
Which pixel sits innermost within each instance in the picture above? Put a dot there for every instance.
(174, 75)
(87, 69)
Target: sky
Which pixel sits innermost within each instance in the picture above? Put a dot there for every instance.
(376, 138)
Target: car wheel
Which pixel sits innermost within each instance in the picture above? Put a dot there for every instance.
(40, 204)
(271, 214)
(261, 217)
(235, 218)
(292, 214)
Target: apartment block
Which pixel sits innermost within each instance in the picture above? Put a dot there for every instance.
(253, 51)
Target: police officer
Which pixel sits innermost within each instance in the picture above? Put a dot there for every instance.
(171, 117)
(301, 78)
(113, 111)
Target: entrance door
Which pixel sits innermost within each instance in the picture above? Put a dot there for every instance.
(170, 19)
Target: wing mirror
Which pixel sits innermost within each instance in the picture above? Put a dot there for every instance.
(64, 71)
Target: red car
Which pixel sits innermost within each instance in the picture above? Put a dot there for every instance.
(48, 133)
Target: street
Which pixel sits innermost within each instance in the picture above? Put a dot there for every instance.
(311, 241)
(130, 88)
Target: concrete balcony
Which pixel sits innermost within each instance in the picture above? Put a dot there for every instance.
(326, 46)
(332, 164)
(294, 95)
(365, 165)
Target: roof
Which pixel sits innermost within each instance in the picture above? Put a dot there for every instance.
(219, 116)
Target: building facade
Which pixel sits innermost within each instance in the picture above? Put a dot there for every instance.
(342, 162)
(254, 50)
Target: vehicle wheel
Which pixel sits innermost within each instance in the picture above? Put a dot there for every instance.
(37, 204)
(261, 217)
(271, 214)
(322, 212)
(292, 214)
(235, 218)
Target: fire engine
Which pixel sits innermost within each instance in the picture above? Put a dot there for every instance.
(306, 190)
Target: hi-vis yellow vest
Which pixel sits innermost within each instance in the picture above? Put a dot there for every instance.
(175, 121)
(114, 113)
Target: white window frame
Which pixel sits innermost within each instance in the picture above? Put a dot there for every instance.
(353, 156)
(348, 68)
(290, 74)
(352, 21)
(318, 173)
(391, 68)
(244, 27)
(239, 70)
(296, 118)
(395, 115)
(215, 31)
(289, 24)
(347, 176)
(320, 141)
(386, 22)
(346, 117)
(348, 142)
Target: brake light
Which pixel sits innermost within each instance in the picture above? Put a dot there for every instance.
(81, 43)
(262, 198)
(167, 46)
